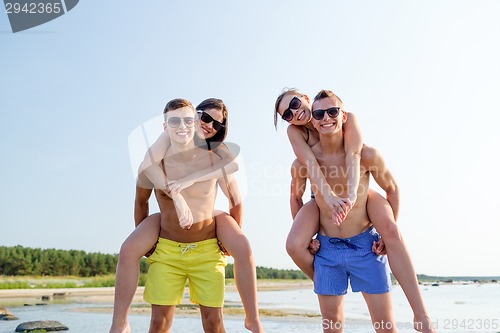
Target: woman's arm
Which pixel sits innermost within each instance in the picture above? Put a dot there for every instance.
(156, 152)
(318, 182)
(225, 165)
(353, 143)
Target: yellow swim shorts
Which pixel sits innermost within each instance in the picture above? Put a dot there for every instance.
(173, 263)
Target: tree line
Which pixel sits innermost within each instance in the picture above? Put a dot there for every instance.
(23, 261)
(19, 260)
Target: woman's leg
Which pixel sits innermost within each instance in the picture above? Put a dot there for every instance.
(304, 227)
(380, 213)
(236, 243)
(140, 241)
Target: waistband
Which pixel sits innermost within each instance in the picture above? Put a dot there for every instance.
(169, 242)
(364, 239)
(204, 245)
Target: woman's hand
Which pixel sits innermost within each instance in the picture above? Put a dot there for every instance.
(183, 211)
(176, 186)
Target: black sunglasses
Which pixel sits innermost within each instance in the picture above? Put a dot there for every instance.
(175, 122)
(332, 113)
(295, 104)
(206, 118)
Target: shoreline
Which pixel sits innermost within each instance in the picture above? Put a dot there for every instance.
(103, 297)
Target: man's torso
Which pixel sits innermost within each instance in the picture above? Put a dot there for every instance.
(200, 198)
(335, 170)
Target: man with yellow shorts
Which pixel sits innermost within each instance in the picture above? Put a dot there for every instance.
(173, 263)
(187, 248)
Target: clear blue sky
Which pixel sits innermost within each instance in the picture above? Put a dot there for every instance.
(422, 77)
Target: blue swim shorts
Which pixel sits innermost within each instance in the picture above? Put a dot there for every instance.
(342, 259)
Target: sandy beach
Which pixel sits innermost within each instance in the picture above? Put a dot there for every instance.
(104, 296)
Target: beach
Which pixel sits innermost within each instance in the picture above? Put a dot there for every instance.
(103, 296)
(285, 306)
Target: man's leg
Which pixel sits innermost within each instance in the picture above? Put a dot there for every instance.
(140, 241)
(236, 243)
(332, 313)
(380, 307)
(161, 318)
(304, 227)
(211, 319)
(380, 213)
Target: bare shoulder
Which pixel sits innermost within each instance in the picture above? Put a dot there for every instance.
(293, 130)
(369, 155)
(350, 115)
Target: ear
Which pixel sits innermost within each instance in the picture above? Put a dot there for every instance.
(164, 125)
(307, 98)
(344, 117)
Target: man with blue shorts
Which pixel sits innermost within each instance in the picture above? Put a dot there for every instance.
(345, 253)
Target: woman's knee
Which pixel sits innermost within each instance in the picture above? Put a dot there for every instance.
(390, 232)
(129, 252)
(242, 250)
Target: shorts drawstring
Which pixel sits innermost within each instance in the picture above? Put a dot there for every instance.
(345, 241)
(188, 247)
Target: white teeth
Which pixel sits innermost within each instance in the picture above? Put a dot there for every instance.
(301, 115)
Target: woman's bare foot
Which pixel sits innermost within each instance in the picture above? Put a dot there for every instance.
(254, 326)
(125, 329)
(423, 324)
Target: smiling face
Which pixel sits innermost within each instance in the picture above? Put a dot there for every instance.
(287, 107)
(328, 124)
(206, 129)
(181, 125)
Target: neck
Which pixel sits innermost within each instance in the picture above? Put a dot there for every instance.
(310, 126)
(332, 143)
(176, 148)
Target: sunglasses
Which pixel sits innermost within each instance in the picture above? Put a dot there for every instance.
(295, 104)
(332, 113)
(175, 122)
(207, 119)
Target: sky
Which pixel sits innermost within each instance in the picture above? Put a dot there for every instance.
(422, 78)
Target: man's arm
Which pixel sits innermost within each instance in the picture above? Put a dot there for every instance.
(383, 177)
(143, 191)
(297, 187)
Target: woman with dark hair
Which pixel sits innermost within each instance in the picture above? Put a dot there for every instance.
(213, 117)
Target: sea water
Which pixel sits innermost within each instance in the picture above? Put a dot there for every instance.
(453, 308)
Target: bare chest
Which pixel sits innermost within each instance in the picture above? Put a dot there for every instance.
(336, 172)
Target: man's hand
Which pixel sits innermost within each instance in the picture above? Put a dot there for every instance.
(223, 249)
(150, 252)
(183, 211)
(313, 246)
(379, 247)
